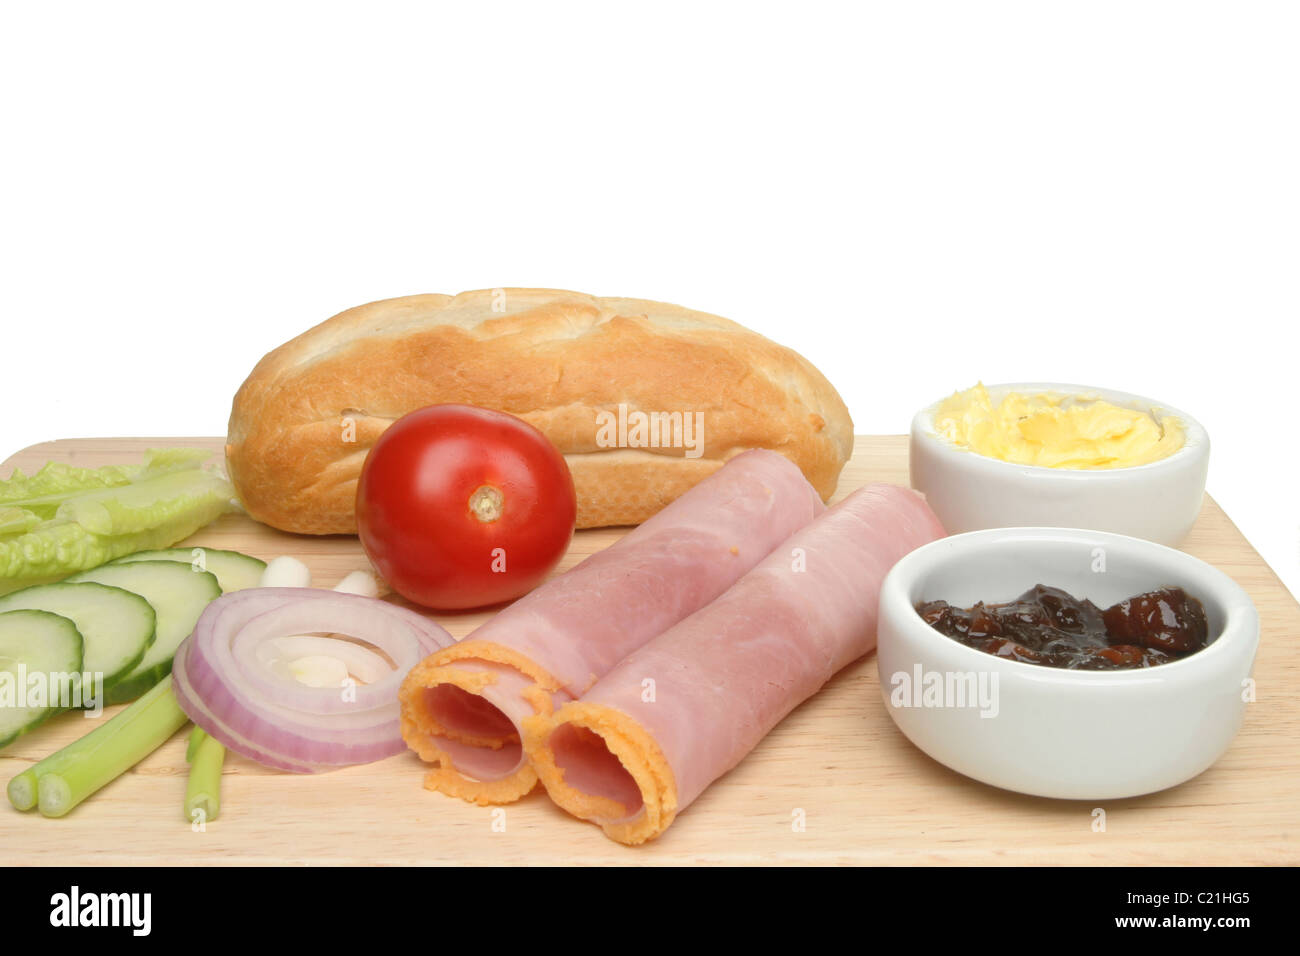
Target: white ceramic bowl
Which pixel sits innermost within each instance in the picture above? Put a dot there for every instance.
(1052, 732)
(1158, 501)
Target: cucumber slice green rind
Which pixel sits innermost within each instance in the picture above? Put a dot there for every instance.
(45, 643)
(234, 570)
(178, 594)
(117, 626)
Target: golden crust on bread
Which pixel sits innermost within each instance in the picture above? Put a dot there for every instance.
(303, 421)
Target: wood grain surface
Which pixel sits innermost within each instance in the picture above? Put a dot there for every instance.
(867, 795)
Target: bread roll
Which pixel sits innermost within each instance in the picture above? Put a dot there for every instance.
(602, 378)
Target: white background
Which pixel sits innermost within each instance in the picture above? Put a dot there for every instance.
(913, 195)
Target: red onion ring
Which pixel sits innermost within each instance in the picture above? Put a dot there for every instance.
(225, 688)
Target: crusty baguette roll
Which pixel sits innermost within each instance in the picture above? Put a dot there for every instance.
(565, 362)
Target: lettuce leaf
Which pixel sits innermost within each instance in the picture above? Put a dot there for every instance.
(14, 520)
(65, 519)
(56, 482)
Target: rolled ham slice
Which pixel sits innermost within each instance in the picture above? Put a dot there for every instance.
(681, 711)
(463, 707)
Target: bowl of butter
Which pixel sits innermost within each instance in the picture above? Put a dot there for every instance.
(1056, 455)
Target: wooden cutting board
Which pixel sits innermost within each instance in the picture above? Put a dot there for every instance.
(865, 793)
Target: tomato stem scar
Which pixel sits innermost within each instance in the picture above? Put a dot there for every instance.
(486, 503)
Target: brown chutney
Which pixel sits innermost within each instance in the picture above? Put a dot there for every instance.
(1048, 626)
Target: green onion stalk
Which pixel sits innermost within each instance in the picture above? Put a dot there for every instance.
(64, 779)
(203, 792)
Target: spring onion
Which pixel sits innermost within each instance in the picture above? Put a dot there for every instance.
(61, 781)
(203, 792)
(196, 738)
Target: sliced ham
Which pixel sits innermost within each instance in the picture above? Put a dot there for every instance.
(681, 711)
(463, 707)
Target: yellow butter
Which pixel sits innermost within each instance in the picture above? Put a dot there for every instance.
(1056, 431)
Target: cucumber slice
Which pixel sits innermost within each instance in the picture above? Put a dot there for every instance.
(178, 594)
(44, 643)
(117, 626)
(234, 571)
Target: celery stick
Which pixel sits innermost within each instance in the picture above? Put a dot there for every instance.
(66, 778)
(203, 791)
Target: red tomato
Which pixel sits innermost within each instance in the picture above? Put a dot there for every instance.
(461, 507)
